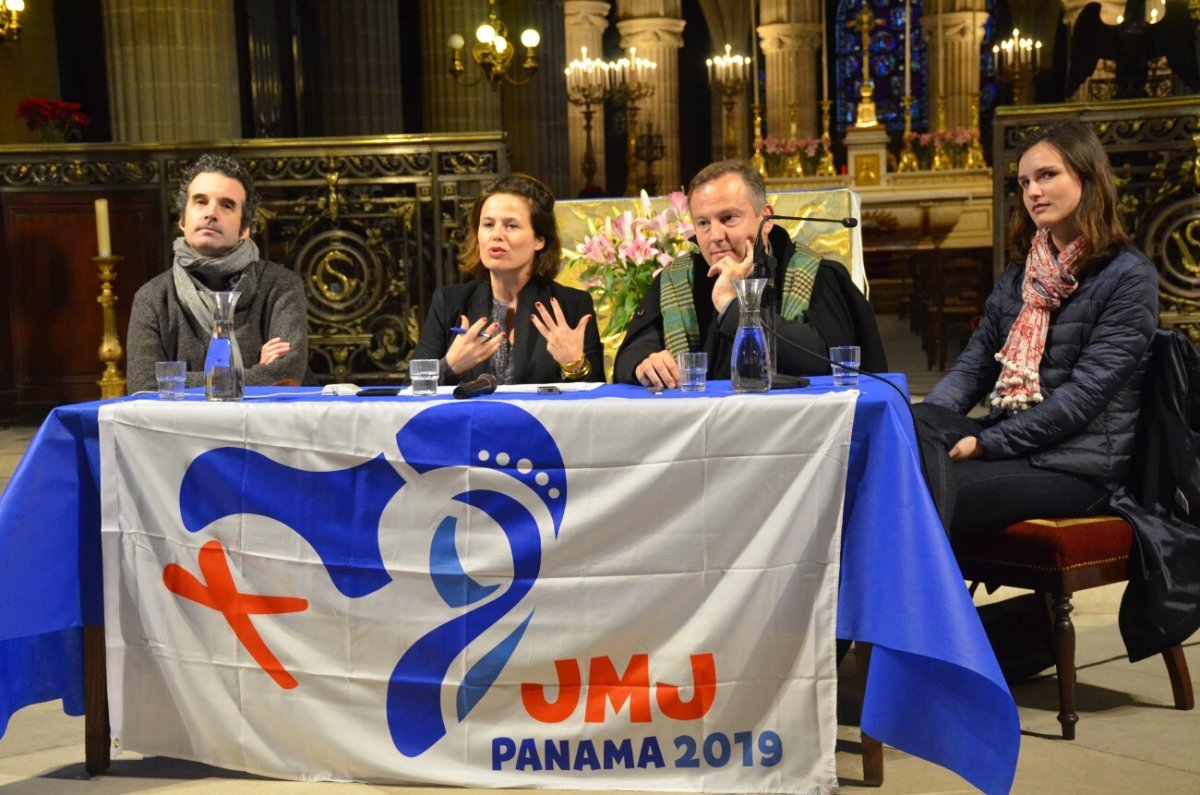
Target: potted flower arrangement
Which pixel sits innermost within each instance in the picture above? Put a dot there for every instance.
(52, 120)
(622, 254)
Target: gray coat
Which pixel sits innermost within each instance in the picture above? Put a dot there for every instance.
(160, 329)
(1091, 373)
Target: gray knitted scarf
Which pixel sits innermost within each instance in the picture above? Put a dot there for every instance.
(192, 269)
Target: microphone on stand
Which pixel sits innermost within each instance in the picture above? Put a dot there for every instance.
(483, 385)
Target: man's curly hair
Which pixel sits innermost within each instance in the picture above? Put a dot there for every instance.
(230, 167)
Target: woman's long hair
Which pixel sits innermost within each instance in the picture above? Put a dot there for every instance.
(541, 216)
(1096, 216)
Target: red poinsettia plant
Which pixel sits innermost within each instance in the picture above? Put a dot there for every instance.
(54, 121)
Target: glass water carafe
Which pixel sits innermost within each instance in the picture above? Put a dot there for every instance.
(750, 368)
(223, 374)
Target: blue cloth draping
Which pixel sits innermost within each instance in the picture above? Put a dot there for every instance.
(935, 688)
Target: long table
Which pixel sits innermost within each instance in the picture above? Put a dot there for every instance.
(935, 689)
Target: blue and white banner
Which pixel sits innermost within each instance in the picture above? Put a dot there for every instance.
(600, 593)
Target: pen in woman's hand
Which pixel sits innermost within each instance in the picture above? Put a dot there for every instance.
(482, 334)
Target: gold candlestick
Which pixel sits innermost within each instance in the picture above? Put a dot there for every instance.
(941, 158)
(908, 158)
(865, 23)
(975, 158)
(112, 381)
(825, 167)
(757, 161)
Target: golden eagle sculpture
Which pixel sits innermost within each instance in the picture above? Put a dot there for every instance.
(1132, 44)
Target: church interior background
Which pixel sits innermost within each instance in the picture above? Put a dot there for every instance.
(369, 134)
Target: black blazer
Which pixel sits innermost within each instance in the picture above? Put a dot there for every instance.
(532, 362)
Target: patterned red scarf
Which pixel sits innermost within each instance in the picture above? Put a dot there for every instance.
(1048, 281)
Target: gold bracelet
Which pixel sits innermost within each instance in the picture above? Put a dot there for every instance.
(573, 371)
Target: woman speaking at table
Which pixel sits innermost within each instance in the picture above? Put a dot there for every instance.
(1061, 353)
(512, 319)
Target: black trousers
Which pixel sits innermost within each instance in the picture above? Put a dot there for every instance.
(981, 496)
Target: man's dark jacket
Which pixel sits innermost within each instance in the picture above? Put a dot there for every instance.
(838, 314)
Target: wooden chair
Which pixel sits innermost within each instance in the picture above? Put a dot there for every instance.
(952, 295)
(1059, 557)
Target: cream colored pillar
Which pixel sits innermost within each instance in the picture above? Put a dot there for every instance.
(534, 114)
(172, 70)
(585, 22)
(953, 39)
(450, 107)
(655, 28)
(353, 87)
(790, 51)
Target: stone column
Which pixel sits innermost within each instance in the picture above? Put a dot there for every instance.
(655, 29)
(172, 70)
(790, 50)
(585, 22)
(450, 107)
(352, 55)
(952, 41)
(535, 114)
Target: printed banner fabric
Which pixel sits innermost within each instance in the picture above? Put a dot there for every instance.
(610, 594)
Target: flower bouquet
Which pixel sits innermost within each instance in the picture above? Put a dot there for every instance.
(622, 254)
(54, 121)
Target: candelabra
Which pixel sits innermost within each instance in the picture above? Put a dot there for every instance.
(589, 82)
(112, 381)
(650, 149)
(729, 74)
(633, 84)
(1017, 61)
(493, 52)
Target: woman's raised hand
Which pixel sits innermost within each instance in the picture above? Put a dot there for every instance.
(472, 348)
(563, 342)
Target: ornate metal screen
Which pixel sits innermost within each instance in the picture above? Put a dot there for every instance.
(371, 225)
(1154, 146)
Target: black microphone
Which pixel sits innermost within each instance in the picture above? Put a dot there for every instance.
(760, 253)
(483, 385)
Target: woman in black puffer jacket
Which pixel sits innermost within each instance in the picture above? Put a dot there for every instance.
(1061, 354)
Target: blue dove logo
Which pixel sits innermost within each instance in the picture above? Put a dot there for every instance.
(338, 513)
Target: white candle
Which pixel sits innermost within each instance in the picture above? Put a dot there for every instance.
(754, 51)
(824, 57)
(907, 50)
(941, 51)
(103, 241)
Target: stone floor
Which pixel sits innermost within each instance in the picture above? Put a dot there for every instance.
(1129, 738)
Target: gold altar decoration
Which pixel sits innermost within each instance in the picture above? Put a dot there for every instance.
(112, 381)
(865, 113)
(908, 158)
(10, 20)
(493, 52)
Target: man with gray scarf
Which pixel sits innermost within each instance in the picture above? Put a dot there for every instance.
(171, 318)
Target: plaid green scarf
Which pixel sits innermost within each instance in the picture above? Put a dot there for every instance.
(681, 326)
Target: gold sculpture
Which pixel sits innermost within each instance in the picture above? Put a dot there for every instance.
(865, 23)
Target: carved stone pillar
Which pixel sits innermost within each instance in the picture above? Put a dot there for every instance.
(172, 70)
(449, 107)
(352, 69)
(585, 22)
(655, 28)
(790, 52)
(954, 72)
(535, 114)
